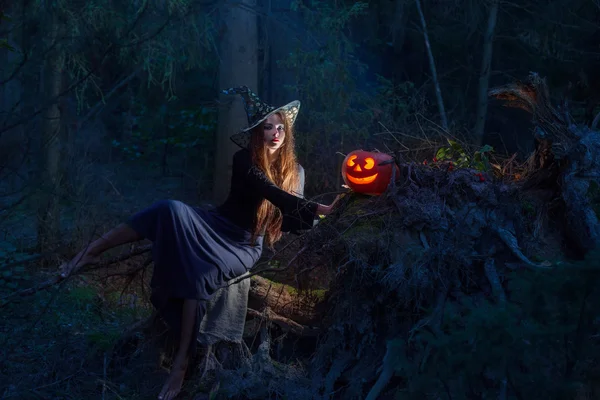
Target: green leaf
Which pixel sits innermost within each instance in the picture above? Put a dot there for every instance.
(441, 154)
(486, 149)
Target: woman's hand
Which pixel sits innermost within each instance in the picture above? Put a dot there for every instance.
(85, 257)
(326, 210)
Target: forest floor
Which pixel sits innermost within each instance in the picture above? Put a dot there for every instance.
(54, 343)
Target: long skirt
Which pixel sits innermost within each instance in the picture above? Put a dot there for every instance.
(195, 251)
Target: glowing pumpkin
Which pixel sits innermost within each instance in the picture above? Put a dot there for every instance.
(368, 172)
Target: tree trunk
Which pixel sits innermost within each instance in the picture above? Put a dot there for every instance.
(484, 77)
(238, 66)
(434, 77)
(263, 293)
(12, 141)
(48, 211)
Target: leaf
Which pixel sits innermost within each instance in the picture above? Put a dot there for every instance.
(486, 149)
(441, 154)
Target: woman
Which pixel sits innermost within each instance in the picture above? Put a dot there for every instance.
(196, 251)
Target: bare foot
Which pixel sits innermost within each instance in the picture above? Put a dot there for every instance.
(80, 260)
(173, 385)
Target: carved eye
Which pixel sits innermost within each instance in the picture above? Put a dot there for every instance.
(369, 163)
(351, 161)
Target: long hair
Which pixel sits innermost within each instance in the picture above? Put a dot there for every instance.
(283, 172)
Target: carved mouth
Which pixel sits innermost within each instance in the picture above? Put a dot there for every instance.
(362, 181)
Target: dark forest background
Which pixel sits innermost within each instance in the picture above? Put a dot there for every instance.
(105, 103)
(108, 106)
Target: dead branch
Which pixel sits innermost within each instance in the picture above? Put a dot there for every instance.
(533, 96)
(286, 324)
(57, 279)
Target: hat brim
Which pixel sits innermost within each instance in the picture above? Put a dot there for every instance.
(290, 110)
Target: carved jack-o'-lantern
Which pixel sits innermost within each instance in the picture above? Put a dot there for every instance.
(368, 172)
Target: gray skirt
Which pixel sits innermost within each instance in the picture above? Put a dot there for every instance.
(195, 251)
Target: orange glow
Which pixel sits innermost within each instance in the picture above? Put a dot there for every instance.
(362, 181)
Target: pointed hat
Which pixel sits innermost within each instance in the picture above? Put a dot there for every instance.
(257, 111)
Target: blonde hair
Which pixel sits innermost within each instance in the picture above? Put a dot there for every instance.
(283, 172)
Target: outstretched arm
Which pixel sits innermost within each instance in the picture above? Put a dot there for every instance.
(257, 181)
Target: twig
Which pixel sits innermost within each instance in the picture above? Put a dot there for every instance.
(102, 101)
(268, 269)
(286, 324)
(57, 279)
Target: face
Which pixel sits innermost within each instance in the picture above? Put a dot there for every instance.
(274, 132)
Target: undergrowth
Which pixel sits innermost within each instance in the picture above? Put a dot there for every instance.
(54, 344)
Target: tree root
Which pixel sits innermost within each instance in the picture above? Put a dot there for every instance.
(511, 242)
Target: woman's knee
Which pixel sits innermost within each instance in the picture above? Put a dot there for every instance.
(170, 206)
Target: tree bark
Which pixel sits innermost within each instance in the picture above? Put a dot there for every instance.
(238, 66)
(48, 212)
(12, 141)
(484, 77)
(434, 77)
(263, 293)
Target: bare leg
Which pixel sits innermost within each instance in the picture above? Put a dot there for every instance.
(121, 234)
(172, 387)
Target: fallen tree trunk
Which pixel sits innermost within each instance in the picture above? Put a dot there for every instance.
(278, 299)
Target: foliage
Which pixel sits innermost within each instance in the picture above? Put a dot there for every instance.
(12, 274)
(169, 126)
(160, 38)
(542, 339)
(460, 157)
(54, 340)
(4, 42)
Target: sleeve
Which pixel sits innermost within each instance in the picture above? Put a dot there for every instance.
(292, 223)
(294, 208)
